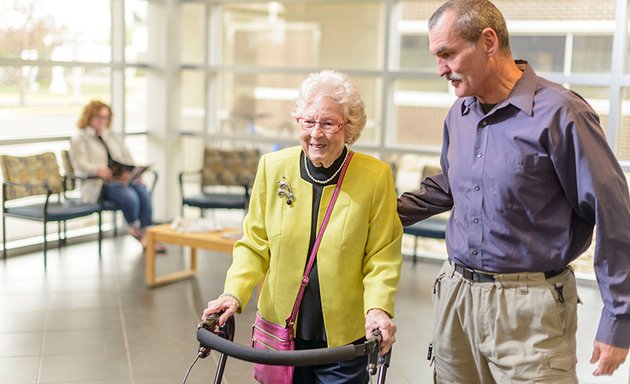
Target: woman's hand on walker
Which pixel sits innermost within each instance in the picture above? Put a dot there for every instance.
(226, 305)
(377, 319)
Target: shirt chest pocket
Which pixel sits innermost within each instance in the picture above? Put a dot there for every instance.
(514, 183)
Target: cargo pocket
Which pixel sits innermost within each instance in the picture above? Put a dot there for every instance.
(559, 368)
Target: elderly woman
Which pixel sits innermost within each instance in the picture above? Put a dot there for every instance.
(100, 154)
(354, 278)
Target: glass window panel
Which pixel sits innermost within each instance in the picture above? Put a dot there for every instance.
(557, 10)
(409, 167)
(415, 54)
(544, 53)
(136, 32)
(192, 35)
(44, 101)
(597, 97)
(371, 89)
(592, 54)
(192, 98)
(137, 145)
(192, 147)
(63, 30)
(627, 66)
(623, 136)
(412, 32)
(417, 9)
(136, 87)
(304, 35)
(420, 106)
(261, 104)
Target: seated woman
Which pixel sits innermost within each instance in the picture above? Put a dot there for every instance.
(99, 151)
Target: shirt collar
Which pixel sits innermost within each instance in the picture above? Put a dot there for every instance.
(522, 95)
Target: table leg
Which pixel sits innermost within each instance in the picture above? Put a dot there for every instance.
(150, 264)
(193, 259)
(153, 281)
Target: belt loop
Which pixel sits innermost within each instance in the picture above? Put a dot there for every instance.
(522, 283)
(498, 280)
(452, 271)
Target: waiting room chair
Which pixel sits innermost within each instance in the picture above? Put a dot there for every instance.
(32, 189)
(106, 205)
(433, 227)
(221, 173)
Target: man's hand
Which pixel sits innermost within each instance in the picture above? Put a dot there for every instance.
(609, 358)
(379, 319)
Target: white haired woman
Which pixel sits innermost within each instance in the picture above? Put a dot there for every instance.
(356, 269)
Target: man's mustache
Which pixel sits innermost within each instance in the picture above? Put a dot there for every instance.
(451, 77)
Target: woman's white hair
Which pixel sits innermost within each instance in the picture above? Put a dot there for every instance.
(339, 87)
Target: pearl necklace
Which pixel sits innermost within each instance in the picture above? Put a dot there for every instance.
(331, 177)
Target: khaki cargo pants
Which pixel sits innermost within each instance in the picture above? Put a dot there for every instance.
(518, 329)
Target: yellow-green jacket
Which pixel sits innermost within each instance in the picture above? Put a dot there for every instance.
(359, 258)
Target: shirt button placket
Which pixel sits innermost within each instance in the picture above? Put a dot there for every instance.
(475, 229)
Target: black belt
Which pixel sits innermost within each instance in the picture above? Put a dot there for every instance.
(485, 277)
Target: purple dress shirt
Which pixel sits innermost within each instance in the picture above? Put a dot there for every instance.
(527, 182)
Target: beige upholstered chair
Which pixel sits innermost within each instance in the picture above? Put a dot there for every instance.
(33, 189)
(222, 171)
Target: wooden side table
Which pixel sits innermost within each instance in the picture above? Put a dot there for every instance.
(216, 241)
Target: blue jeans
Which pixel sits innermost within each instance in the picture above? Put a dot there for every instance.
(134, 200)
(346, 372)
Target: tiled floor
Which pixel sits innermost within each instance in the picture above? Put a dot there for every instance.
(90, 321)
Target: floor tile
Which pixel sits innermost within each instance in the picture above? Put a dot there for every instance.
(91, 321)
(79, 301)
(21, 344)
(19, 370)
(84, 367)
(21, 322)
(98, 340)
(83, 319)
(23, 303)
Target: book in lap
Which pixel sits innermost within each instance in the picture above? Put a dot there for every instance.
(135, 171)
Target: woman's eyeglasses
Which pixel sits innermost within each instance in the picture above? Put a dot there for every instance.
(328, 126)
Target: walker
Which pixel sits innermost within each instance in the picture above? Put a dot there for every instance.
(220, 339)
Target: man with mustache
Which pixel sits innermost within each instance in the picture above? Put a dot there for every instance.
(528, 174)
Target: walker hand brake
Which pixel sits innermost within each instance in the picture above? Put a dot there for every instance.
(372, 352)
(211, 324)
